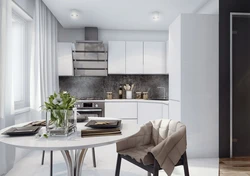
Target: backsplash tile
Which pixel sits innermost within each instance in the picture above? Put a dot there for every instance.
(97, 87)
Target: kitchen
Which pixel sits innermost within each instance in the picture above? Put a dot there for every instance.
(161, 64)
(144, 58)
(114, 77)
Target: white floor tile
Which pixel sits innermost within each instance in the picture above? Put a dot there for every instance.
(106, 162)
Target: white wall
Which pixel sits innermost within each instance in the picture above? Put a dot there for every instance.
(193, 51)
(108, 35)
(27, 5)
(199, 83)
(71, 35)
(212, 7)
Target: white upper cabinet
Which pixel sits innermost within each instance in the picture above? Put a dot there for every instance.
(137, 57)
(134, 57)
(116, 57)
(65, 61)
(154, 57)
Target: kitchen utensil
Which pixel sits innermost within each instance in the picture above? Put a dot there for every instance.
(128, 94)
(128, 86)
(109, 95)
(145, 95)
(132, 87)
(138, 95)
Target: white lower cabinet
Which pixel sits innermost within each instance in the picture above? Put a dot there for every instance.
(137, 112)
(165, 111)
(133, 121)
(124, 110)
(149, 111)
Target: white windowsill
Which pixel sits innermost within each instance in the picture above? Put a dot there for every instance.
(22, 110)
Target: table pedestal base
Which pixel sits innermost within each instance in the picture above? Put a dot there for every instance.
(74, 161)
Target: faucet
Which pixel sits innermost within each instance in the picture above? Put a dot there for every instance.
(164, 91)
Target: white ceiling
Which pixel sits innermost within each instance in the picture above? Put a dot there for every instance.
(121, 14)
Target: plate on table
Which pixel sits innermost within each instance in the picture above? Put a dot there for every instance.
(22, 131)
(104, 123)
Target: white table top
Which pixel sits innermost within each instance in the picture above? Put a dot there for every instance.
(71, 142)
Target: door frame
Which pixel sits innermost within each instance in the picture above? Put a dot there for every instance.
(232, 14)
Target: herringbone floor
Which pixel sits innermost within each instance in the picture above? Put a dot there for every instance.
(235, 166)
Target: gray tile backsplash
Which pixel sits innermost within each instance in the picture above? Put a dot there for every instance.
(97, 87)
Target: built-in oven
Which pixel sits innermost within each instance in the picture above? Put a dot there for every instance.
(89, 109)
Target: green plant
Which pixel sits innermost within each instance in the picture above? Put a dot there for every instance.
(58, 105)
(60, 101)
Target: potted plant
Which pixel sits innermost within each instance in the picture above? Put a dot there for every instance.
(60, 114)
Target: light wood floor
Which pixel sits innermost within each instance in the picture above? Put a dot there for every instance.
(235, 166)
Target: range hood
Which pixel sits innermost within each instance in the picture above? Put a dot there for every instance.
(90, 56)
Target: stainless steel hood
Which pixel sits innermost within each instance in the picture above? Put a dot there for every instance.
(90, 56)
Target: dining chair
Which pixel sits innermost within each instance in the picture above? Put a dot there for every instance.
(160, 144)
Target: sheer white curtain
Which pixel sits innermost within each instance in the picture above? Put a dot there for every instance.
(7, 153)
(44, 76)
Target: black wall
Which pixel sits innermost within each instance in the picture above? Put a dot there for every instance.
(225, 7)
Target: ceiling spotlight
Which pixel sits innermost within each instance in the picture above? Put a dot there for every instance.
(74, 14)
(156, 16)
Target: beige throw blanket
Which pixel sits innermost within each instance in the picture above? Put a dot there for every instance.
(165, 139)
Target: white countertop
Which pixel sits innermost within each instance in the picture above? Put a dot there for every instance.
(127, 100)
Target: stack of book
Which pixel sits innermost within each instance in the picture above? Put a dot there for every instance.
(100, 132)
(102, 128)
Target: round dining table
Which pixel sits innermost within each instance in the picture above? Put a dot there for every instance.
(73, 147)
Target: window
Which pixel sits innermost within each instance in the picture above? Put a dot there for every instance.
(20, 60)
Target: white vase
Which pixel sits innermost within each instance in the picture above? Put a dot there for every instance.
(128, 94)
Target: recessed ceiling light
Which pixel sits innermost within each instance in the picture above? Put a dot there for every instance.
(156, 16)
(74, 14)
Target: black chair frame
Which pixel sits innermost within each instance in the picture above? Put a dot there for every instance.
(153, 168)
